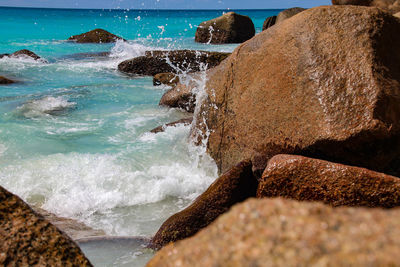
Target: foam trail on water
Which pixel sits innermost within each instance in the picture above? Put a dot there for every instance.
(45, 106)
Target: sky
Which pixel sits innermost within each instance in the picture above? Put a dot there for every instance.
(165, 4)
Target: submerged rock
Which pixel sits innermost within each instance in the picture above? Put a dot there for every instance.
(335, 184)
(288, 13)
(167, 78)
(269, 22)
(278, 232)
(26, 53)
(177, 61)
(28, 239)
(74, 229)
(96, 36)
(159, 129)
(295, 89)
(4, 80)
(233, 187)
(229, 28)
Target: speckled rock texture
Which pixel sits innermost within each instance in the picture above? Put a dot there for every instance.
(96, 36)
(278, 232)
(323, 84)
(229, 28)
(392, 6)
(167, 78)
(27, 239)
(231, 188)
(185, 121)
(4, 80)
(269, 22)
(288, 13)
(302, 178)
(176, 61)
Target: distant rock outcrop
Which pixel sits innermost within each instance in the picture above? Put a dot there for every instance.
(288, 13)
(278, 232)
(96, 36)
(269, 22)
(229, 28)
(27, 239)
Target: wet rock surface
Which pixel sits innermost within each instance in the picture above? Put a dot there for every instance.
(168, 78)
(302, 178)
(229, 28)
(159, 129)
(176, 61)
(28, 239)
(278, 232)
(295, 89)
(233, 187)
(181, 96)
(96, 36)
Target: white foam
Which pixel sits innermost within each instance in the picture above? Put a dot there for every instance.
(44, 106)
(128, 50)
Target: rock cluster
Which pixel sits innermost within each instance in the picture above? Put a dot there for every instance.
(27, 239)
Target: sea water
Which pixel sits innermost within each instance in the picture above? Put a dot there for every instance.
(74, 132)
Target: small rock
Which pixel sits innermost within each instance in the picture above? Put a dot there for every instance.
(159, 129)
(167, 78)
(4, 80)
(181, 96)
(229, 28)
(288, 13)
(96, 36)
(26, 53)
(269, 22)
(233, 187)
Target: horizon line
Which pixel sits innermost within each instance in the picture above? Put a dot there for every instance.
(144, 9)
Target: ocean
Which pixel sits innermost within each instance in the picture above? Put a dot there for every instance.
(74, 132)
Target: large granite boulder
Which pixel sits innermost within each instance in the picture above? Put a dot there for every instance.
(4, 80)
(96, 36)
(27, 239)
(335, 184)
(288, 13)
(177, 61)
(392, 6)
(233, 187)
(278, 232)
(269, 22)
(229, 28)
(325, 84)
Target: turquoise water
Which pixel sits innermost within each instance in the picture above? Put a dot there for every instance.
(74, 133)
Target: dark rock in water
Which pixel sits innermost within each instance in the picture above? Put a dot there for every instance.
(167, 78)
(4, 80)
(176, 61)
(181, 96)
(297, 89)
(26, 53)
(96, 36)
(27, 239)
(302, 178)
(279, 232)
(159, 129)
(288, 13)
(229, 28)
(269, 22)
(233, 187)
(74, 229)
(4, 55)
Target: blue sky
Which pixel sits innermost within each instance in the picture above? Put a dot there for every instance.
(166, 4)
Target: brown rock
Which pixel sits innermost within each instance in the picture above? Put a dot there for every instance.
(168, 78)
(74, 229)
(278, 232)
(352, 2)
(96, 36)
(27, 239)
(25, 52)
(229, 28)
(269, 22)
(392, 6)
(4, 80)
(178, 61)
(159, 129)
(181, 96)
(295, 89)
(397, 15)
(335, 184)
(288, 13)
(233, 187)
